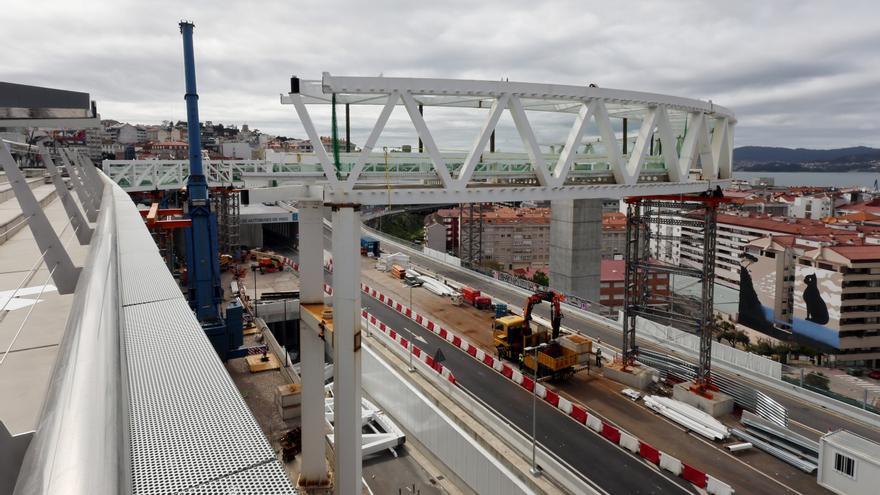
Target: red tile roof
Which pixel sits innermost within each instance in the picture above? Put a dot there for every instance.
(858, 253)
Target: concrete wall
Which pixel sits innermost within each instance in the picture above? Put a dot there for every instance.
(438, 433)
(575, 247)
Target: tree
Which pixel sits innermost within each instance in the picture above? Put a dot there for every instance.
(742, 338)
(541, 278)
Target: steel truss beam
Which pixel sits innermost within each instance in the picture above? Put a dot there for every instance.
(655, 112)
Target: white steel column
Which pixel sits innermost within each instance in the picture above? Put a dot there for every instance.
(347, 349)
(313, 472)
(85, 197)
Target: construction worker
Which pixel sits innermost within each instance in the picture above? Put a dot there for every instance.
(520, 358)
(598, 357)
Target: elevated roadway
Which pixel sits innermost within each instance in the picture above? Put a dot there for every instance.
(811, 417)
(605, 465)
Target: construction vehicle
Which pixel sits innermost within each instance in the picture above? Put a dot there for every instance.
(511, 334)
(553, 360)
(267, 261)
(369, 247)
(475, 298)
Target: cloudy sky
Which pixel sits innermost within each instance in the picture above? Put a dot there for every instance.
(797, 73)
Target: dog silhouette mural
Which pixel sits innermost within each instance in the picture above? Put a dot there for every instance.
(817, 310)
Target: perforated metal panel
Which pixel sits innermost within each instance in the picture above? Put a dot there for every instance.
(190, 428)
(266, 478)
(144, 275)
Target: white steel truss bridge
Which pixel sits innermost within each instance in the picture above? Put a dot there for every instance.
(682, 146)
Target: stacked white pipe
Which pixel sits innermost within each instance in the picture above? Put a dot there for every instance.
(688, 416)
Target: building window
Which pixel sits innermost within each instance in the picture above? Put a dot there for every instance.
(845, 465)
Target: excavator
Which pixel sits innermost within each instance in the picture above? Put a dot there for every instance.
(512, 334)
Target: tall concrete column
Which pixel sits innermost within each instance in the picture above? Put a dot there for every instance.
(347, 349)
(575, 247)
(313, 472)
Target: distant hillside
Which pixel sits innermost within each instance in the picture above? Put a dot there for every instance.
(772, 159)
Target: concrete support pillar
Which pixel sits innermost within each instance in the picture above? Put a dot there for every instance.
(575, 247)
(347, 349)
(313, 472)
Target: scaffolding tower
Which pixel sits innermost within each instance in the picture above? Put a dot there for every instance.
(226, 203)
(645, 214)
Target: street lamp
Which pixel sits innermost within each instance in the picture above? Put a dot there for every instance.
(254, 269)
(535, 470)
(411, 344)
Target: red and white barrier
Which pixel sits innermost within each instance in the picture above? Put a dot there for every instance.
(577, 412)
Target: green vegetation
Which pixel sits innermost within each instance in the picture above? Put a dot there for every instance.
(541, 278)
(406, 226)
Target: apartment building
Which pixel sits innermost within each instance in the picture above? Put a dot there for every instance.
(824, 289)
(611, 291)
(512, 238)
(516, 238)
(736, 231)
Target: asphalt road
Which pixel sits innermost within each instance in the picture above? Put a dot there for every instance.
(603, 463)
(814, 417)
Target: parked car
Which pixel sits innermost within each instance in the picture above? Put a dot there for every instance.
(875, 374)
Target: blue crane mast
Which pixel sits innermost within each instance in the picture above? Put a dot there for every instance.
(202, 254)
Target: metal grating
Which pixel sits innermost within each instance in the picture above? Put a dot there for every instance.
(258, 480)
(144, 276)
(189, 426)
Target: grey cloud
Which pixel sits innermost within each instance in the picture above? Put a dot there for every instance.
(796, 73)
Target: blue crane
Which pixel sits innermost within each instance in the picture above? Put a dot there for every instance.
(202, 253)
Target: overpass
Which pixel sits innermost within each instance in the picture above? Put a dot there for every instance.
(682, 146)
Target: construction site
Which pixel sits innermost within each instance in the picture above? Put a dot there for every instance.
(233, 327)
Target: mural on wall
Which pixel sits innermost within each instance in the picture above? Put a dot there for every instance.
(817, 310)
(757, 293)
(817, 304)
(754, 311)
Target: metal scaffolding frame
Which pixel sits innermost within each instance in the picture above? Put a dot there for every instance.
(226, 203)
(644, 213)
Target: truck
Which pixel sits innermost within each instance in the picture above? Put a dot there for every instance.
(511, 334)
(475, 298)
(369, 246)
(553, 360)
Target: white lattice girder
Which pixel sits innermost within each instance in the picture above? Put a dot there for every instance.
(690, 148)
(640, 149)
(612, 148)
(669, 147)
(371, 141)
(707, 159)
(539, 165)
(317, 145)
(427, 139)
(720, 153)
(473, 157)
(476, 94)
(575, 135)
